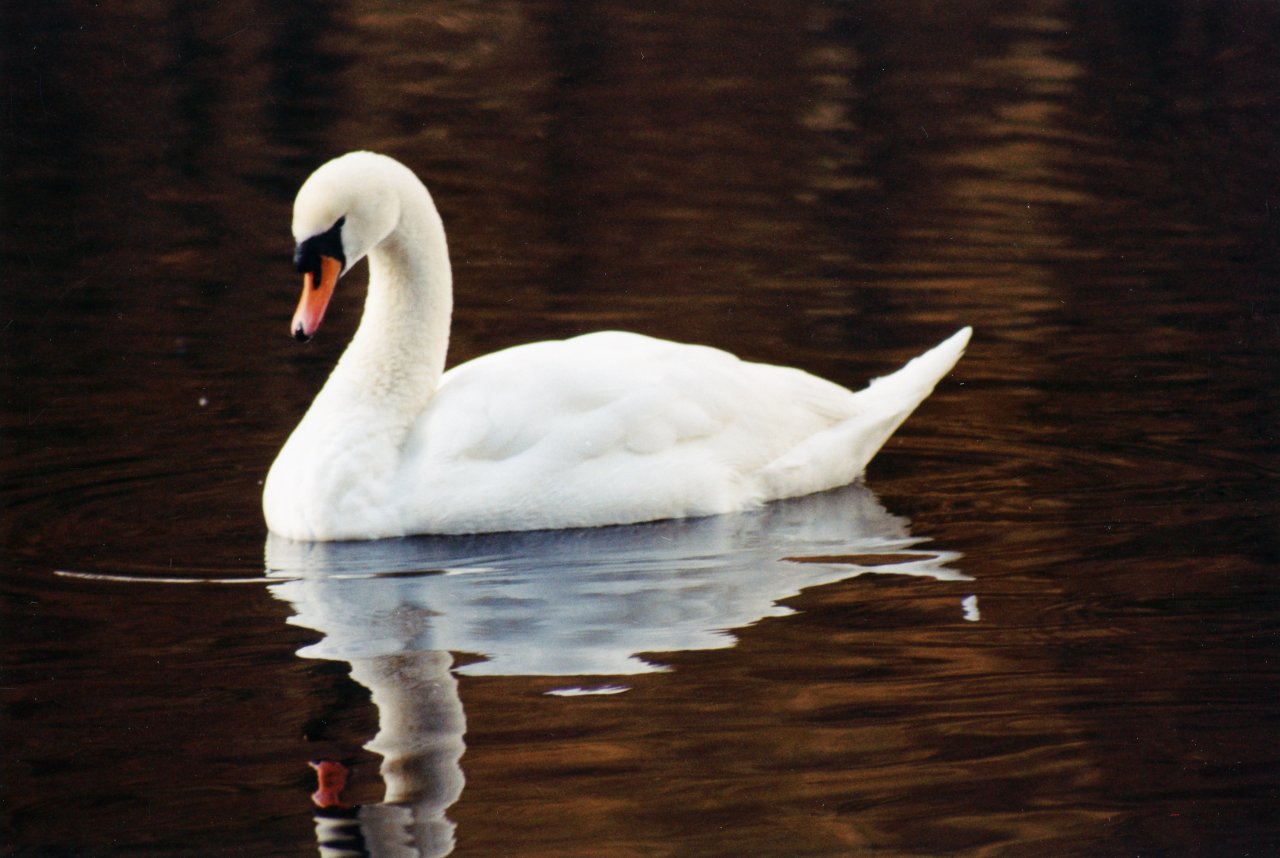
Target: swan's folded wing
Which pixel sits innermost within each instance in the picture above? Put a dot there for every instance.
(618, 393)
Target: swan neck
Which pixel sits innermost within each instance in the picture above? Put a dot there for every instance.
(400, 347)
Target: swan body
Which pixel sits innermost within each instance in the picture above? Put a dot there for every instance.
(605, 428)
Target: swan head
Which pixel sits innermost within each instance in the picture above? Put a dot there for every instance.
(344, 210)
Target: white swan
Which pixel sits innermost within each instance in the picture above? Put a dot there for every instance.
(606, 428)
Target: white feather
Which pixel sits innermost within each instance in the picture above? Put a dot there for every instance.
(606, 428)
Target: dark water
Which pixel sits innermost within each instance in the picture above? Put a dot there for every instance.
(1048, 626)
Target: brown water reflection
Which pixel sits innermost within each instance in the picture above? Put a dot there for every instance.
(822, 184)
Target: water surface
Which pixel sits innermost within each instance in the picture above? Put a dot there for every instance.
(1047, 625)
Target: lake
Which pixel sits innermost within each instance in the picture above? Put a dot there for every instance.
(1047, 623)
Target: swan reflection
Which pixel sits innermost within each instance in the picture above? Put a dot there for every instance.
(571, 603)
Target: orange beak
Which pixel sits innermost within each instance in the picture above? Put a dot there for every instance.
(315, 299)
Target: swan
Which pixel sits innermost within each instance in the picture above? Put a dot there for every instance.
(601, 429)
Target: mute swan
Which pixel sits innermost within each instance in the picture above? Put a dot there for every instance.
(605, 428)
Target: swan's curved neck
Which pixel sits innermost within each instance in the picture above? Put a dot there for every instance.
(398, 353)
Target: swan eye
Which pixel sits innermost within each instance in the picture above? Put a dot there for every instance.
(306, 257)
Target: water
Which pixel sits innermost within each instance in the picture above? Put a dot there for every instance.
(1081, 657)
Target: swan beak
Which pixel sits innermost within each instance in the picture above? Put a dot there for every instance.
(315, 298)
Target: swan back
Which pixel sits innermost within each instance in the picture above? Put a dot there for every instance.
(607, 428)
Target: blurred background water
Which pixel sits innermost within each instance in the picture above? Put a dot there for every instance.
(1048, 626)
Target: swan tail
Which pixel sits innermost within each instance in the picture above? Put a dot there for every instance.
(911, 385)
(838, 455)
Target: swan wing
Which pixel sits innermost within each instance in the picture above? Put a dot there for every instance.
(606, 428)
